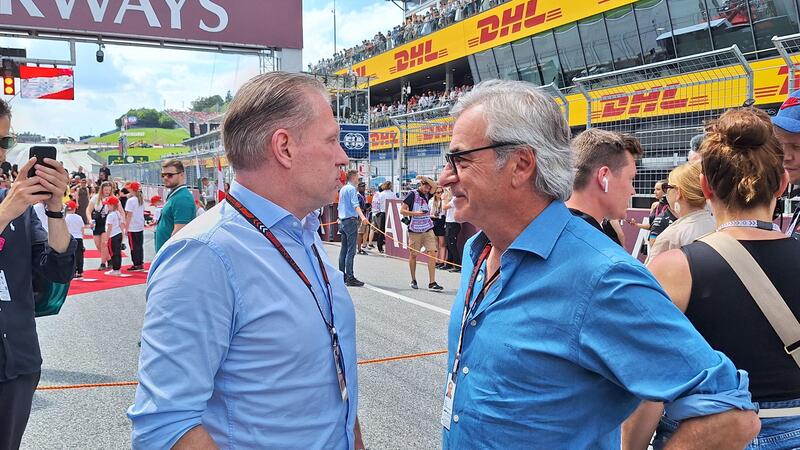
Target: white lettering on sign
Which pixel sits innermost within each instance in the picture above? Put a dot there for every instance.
(395, 228)
(175, 7)
(219, 11)
(99, 8)
(30, 7)
(143, 6)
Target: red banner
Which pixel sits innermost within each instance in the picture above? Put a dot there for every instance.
(47, 83)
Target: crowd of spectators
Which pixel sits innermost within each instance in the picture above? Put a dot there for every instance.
(381, 112)
(443, 14)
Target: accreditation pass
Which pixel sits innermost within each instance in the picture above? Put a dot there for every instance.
(5, 293)
(447, 408)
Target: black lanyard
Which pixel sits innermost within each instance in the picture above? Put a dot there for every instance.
(258, 225)
(469, 307)
(172, 192)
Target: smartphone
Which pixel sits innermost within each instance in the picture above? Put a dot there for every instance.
(40, 152)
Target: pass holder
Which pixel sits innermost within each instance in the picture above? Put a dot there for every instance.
(5, 293)
(337, 359)
(447, 407)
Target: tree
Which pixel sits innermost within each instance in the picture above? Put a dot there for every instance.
(213, 103)
(148, 118)
(228, 97)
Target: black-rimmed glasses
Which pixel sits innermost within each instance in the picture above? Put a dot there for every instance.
(169, 175)
(453, 158)
(8, 142)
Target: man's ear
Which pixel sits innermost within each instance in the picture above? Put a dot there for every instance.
(281, 148)
(523, 168)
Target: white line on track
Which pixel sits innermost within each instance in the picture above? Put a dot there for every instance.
(408, 300)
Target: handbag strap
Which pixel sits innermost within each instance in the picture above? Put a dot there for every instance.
(768, 299)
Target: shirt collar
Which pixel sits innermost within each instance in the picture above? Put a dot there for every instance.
(267, 212)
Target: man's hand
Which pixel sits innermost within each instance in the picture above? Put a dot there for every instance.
(55, 180)
(364, 220)
(21, 195)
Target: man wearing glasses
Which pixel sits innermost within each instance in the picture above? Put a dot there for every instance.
(179, 208)
(556, 334)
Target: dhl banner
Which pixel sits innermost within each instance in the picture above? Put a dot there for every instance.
(648, 99)
(507, 23)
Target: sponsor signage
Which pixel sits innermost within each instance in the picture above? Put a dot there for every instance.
(130, 159)
(354, 139)
(506, 23)
(235, 23)
(664, 96)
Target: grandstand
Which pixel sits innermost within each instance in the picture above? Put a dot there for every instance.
(656, 69)
(196, 122)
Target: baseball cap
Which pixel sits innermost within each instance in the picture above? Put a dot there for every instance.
(788, 117)
(155, 199)
(135, 186)
(72, 205)
(113, 201)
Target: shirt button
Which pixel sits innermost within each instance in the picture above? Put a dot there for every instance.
(455, 418)
(479, 277)
(473, 322)
(465, 370)
(4, 335)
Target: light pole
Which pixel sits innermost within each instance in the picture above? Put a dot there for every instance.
(334, 27)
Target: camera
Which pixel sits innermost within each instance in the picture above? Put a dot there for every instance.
(100, 55)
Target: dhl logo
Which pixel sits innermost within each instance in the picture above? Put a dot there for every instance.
(416, 56)
(383, 139)
(361, 71)
(437, 131)
(512, 20)
(772, 90)
(646, 102)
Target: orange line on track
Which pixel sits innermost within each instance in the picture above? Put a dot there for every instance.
(135, 383)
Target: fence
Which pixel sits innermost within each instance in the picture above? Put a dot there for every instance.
(789, 49)
(665, 104)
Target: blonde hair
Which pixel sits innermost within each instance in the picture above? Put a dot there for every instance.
(742, 158)
(686, 177)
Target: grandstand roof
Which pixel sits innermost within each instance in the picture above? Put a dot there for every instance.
(184, 118)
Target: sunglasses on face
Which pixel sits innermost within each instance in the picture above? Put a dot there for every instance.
(168, 174)
(665, 187)
(8, 142)
(453, 158)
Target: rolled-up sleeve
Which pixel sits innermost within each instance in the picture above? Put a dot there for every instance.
(189, 320)
(632, 334)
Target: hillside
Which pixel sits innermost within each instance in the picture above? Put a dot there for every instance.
(155, 154)
(152, 136)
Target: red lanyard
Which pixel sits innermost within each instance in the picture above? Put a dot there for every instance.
(468, 308)
(258, 225)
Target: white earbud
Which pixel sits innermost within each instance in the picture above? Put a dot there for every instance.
(605, 185)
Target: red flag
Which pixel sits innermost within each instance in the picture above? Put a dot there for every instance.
(47, 83)
(220, 181)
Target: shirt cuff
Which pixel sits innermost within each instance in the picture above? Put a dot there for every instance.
(698, 405)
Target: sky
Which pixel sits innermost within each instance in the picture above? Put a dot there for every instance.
(136, 77)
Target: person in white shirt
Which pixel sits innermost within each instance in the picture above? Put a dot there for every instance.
(451, 232)
(209, 193)
(114, 227)
(134, 216)
(39, 210)
(75, 228)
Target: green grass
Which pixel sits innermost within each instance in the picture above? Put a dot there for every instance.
(152, 136)
(155, 154)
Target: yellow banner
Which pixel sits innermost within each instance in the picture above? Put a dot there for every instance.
(507, 23)
(771, 86)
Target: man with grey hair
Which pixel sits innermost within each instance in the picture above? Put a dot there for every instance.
(556, 333)
(249, 338)
(605, 166)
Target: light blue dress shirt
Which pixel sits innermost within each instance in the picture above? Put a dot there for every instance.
(569, 339)
(233, 340)
(348, 201)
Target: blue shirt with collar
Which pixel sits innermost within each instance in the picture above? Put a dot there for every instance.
(573, 334)
(348, 201)
(233, 340)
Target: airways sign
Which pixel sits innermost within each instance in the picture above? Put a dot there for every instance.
(236, 23)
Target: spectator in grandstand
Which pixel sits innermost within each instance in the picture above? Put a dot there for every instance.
(743, 174)
(134, 217)
(75, 227)
(605, 166)
(685, 197)
(209, 335)
(349, 213)
(787, 130)
(437, 215)
(98, 211)
(452, 230)
(115, 227)
(25, 251)
(209, 192)
(179, 208)
(416, 206)
(541, 269)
